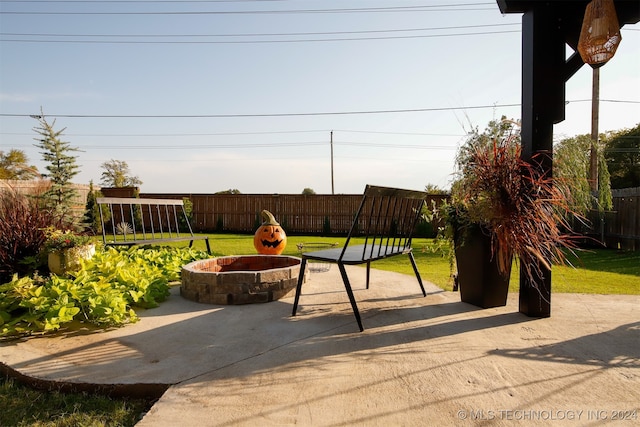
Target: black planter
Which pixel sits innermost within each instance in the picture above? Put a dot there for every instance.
(479, 279)
(535, 298)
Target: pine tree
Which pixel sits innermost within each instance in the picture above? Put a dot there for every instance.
(61, 169)
(92, 211)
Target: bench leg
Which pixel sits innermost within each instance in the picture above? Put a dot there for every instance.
(299, 286)
(352, 299)
(415, 270)
(206, 242)
(368, 272)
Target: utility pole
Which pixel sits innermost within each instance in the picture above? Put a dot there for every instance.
(595, 113)
(332, 188)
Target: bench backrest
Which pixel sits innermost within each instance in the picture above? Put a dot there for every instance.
(131, 219)
(386, 218)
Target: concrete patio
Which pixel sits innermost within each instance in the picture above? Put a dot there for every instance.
(420, 361)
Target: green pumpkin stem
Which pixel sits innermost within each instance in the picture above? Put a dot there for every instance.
(269, 219)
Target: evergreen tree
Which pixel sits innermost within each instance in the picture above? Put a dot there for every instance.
(92, 211)
(61, 167)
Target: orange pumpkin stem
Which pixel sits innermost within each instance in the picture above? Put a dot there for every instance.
(269, 219)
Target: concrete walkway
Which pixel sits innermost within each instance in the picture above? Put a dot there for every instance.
(420, 361)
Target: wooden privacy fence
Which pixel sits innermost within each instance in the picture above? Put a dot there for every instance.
(37, 187)
(318, 214)
(621, 226)
(324, 213)
(297, 213)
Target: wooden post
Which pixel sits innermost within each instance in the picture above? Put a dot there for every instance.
(595, 116)
(332, 188)
(543, 93)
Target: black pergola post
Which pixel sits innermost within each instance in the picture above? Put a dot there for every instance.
(547, 27)
(543, 93)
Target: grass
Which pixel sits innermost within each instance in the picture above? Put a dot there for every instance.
(598, 271)
(602, 271)
(23, 406)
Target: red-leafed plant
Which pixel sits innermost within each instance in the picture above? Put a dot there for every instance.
(22, 235)
(523, 210)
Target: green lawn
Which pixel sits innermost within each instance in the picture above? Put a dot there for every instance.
(600, 271)
(22, 406)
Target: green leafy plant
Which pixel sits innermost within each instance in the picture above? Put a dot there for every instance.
(185, 223)
(447, 215)
(104, 292)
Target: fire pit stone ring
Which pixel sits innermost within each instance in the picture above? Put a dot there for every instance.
(244, 279)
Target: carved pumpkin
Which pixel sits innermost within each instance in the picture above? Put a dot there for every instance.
(270, 238)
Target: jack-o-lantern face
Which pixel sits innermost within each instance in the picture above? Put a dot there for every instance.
(270, 238)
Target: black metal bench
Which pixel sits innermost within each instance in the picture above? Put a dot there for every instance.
(386, 220)
(133, 221)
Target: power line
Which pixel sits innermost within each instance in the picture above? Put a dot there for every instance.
(177, 1)
(139, 1)
(322, 113)
(258, 41)
(202, 146)
(383, 145)
(260, 145)
(322, 33)
(398, 133)
(620, 101)
(209, 116)
(182, 135)
(395, 9)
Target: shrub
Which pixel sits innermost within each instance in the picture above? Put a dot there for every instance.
(58, 240)
(185, 224)
(103, 292)
(93, 212)
(22, 234)
(326, 227)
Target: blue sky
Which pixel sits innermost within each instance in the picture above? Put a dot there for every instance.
(239, 89)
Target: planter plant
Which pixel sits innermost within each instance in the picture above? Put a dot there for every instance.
(502, 207)
(66, 249)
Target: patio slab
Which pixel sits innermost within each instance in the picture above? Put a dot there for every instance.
(419, 361)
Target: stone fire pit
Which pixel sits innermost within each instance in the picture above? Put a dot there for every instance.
(240, 279)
